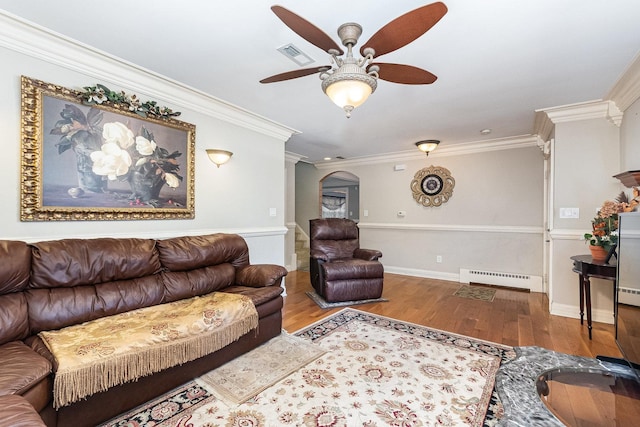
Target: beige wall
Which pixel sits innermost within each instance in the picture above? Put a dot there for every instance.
(586, 155)
(492, 221)
(630, 139)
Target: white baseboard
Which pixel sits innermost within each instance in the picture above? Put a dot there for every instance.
(429, 274)
(573, 311)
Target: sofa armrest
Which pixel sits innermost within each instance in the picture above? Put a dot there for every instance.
(260, 275)
(18, 412)
(318, 255)
(367, 254)
(21, 368)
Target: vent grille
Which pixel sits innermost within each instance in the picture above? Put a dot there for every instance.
(295, 54)
(512, 280)
(629, 296)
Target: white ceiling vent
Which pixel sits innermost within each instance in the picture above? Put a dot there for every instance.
(295, 54)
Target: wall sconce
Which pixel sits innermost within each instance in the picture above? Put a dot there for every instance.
(219, 157)
(428, 145)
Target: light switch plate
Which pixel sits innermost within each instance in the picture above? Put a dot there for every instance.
(569, 213)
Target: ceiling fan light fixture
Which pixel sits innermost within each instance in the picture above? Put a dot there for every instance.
(349, 86)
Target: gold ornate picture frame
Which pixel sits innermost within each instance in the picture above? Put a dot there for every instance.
(432, 186)
(87, 156)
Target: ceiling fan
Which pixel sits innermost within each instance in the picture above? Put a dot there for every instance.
(350, 81)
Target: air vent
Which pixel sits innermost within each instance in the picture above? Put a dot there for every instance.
(512, 280)
(295, 54)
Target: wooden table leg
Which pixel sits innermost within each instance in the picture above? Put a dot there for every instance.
(587, 295)
(581, 286)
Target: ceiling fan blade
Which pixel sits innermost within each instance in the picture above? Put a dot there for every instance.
(405, 29)
(306, 29)
(405, 74)
(295, 74)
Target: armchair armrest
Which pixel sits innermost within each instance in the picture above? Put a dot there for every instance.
(319, 255)
(260, 275)
(367, 254)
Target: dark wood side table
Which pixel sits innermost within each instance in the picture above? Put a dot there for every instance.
(587, 268)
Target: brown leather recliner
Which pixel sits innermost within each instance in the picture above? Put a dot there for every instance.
(340, 270)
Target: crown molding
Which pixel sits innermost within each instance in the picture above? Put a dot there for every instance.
(27, 38)
(521, 141)
(596, 109)
(543, 126)
(293, 157)
(627, 89)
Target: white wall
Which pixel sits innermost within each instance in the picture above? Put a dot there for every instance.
(630, 139)
(586, 156)
(232, 198)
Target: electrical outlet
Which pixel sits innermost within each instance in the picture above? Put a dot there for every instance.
(438, 259)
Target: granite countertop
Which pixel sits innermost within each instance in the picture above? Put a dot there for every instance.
(516, 382)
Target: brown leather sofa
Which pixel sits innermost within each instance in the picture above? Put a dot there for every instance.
(340, 270)
(53, 284)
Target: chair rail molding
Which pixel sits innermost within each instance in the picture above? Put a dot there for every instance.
(454, 227)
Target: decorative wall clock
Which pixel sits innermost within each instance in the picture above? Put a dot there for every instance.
(432, 186)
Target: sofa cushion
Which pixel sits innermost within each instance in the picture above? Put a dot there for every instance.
(187, 284)
(17, 412)
(14, 321)
(352, 268)
(192, 252)
(15, 266)
(259, 275)
(21, 368)
(57, 308)
(258, 295)
(74, 262)
(334, 237)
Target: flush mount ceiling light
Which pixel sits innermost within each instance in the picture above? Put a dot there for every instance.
(219, 157)
(428, 145)
(350, 82)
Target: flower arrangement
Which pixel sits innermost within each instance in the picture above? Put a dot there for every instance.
(605, 225)
(100, 94)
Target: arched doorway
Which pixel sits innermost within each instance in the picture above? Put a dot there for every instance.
(340, 196)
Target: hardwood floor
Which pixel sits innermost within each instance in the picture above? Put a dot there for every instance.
(513, 318)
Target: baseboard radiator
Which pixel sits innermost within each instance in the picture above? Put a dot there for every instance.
(629, 296)
(511, 280)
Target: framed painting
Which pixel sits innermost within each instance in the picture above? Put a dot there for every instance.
(101, 155)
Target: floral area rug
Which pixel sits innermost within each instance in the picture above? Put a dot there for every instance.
(376, 371)
(244, 377)
(476, 292)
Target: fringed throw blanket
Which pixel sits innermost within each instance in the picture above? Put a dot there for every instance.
(105, 352)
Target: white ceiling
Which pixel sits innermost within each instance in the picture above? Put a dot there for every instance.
(497, 61)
